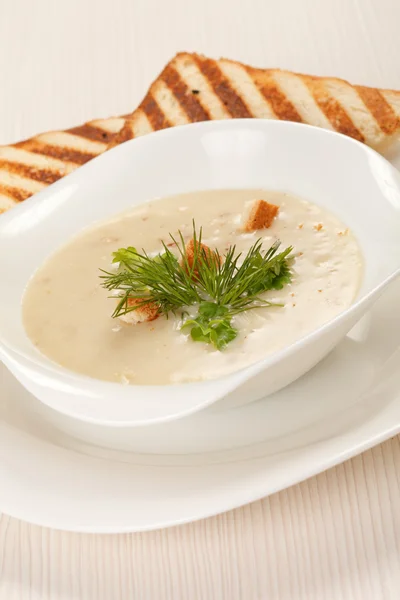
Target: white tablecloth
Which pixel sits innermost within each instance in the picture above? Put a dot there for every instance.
(335, 536)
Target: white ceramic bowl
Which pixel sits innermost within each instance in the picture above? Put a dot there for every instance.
(347, 178)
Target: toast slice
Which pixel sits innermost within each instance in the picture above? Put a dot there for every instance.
(195, 88)
(27, 167)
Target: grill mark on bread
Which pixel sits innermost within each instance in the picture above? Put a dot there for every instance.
(299, 95)
(348, 97)
(135, 125)
(192, 76)
(169, 104)
(64, 139)
(61, 153)
(380, 109)
(15, 180)
(222, 88)
(271, 91)
(124, 135)
(140, 125)
(32, 159)
(37, 174)
(246, 88)
(112, 125)
(189, 103)
(393, 99)
(154, 113)
(90, 132)
(333, 110)
(16, 194)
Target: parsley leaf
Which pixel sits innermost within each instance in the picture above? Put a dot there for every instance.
(212, 325)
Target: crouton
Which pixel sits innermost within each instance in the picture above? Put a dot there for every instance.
(206, 253)
(143, 314)
(261, 215)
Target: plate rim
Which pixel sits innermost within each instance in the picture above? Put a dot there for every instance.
(308, 469)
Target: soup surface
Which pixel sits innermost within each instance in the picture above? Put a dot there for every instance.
(67, 313)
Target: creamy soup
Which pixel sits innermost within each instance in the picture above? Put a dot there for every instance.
(67, 313)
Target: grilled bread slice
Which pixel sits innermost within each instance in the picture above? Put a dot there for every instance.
(195, 88)
(29, 166)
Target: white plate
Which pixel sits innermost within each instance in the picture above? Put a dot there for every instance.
(53, 480)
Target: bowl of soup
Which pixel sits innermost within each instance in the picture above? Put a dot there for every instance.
(294, 232)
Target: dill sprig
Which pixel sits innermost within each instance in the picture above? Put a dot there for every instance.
(160, 280)
(221, 286)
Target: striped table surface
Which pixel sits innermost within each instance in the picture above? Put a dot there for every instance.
(335, 536)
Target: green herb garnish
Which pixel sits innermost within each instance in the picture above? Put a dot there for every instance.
(213, 325)
(221, 286)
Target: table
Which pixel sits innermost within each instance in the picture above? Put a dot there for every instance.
(335, 536)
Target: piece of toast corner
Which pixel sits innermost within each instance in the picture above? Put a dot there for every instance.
(196, 88)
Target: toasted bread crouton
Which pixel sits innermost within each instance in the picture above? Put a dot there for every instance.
(205, 252)
(261, 215)
(144, 314)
